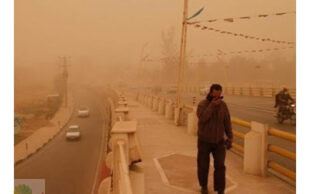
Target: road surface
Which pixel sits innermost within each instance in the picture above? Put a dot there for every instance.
(69, 167)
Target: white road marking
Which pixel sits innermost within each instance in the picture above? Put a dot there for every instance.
(166, 181)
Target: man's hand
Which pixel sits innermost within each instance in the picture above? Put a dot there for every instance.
(228, 143)
(216, 101)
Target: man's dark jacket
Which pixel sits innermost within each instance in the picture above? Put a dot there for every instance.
(214, 121)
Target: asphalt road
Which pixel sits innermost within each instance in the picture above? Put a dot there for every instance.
(69, 167)
(258, 109)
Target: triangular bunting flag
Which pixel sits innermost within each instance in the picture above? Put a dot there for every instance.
(229, 19)
(263, 15)
(246, 17)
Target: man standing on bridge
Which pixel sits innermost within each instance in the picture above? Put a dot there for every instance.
(214, 122)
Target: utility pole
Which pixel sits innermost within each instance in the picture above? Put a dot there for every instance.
(141, 65)
(182, 61)
(65, 75)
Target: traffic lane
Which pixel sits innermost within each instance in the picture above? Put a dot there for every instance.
(69, 166)
(246, 109)
(257, 103)
(263, 103)
(259, 116)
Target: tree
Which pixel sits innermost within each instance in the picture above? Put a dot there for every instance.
(170, 57)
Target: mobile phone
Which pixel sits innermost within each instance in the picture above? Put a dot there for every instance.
(220, 98)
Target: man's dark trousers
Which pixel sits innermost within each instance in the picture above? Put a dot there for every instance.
(218, 151)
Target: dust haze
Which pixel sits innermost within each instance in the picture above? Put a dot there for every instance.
(106, 42)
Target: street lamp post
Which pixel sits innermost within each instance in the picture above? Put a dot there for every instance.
(142, 60)
(181, 62)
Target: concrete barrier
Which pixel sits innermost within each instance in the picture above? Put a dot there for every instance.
(105, 186)
(150, 101)
(125, 152)
(169, 110)
(161, 106)
(178, 112)
(255, 149)
(123, 113)
(155, 104)
(192, 122)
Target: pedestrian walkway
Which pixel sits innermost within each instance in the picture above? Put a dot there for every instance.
(169, 160)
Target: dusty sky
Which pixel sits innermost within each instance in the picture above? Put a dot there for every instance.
(112, 32)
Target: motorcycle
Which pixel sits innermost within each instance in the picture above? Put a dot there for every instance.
(287, 112)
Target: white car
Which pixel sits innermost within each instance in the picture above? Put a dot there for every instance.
(73, 132)
(83, 112)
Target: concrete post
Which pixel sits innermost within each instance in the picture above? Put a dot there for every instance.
(255, 150)
(155, 104)
(192, 122)
(161, 106)
(105, 186)
(137, 96)
(150, 102)
(169, 111)
(178, 116)
(273, 92)
(146, 99)
(113, 145)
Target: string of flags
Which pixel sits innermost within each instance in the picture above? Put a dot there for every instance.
(232, 52)
(202, 27)
(233, 19)
(248, 51)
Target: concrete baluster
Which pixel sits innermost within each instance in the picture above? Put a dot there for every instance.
(169, 110)
(255, 149)
(192, 123)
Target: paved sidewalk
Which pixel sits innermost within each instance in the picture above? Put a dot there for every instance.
(169, 160)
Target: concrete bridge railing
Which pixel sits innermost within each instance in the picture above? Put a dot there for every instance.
(255, 147)
(124, 153)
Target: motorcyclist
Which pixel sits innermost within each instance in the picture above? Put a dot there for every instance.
(283, 98)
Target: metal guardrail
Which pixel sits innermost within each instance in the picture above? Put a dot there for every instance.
(241, 122)
(280, 169)
(238, 147)
(244, 91)
(283, 152)
(190, 107)
(282, 134)
(238, 134)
